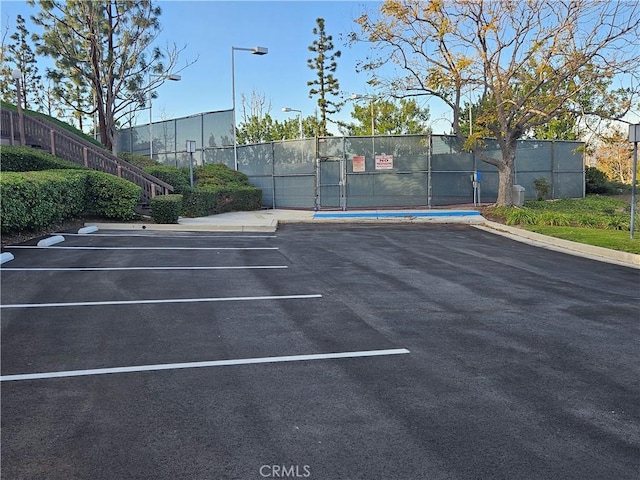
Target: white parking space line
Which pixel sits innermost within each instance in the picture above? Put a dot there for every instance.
(214, 363)
(119, 269)
(161, 300)
(141, 248)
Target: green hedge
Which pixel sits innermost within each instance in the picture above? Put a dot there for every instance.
(166, 208)
(32, 200)
(110, 196)
(140, 161)
(218, 174)
(26, 159)
(178, 178)
(210, 200)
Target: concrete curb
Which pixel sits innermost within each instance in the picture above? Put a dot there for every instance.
(566, 246)
(6, 257)
(47, 242)
(176, 227)
(88, 229)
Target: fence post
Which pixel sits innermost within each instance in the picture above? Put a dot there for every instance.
(119, 170)
(553, 172)
(429, 150)
(11, 129)
(85, 156)
(52, 141)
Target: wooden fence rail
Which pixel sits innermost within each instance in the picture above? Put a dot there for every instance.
(50, 137)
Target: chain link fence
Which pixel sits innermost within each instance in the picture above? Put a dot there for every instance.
(405, 171)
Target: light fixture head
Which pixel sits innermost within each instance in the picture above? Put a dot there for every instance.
(260, 50)
(16, 74)
(174, 77)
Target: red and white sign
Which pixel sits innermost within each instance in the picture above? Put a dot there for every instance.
(384, 162)
(358, 163)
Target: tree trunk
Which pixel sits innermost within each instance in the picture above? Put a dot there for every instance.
(506, 173)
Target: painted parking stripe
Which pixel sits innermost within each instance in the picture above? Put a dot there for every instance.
(214, 363)
(162, 300)
(142, 248)
(120, 269)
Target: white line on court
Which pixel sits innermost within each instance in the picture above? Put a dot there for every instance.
(143, 248)
(214, 363)
(114, 269)
(162, 300)
(152, 235)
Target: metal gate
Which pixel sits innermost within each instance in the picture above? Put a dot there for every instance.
(330, 183)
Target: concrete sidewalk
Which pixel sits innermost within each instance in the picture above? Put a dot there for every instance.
(268, 221)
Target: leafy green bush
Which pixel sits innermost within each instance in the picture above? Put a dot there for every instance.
(178, 178)
(140, 161)
(166, 208)
(210, 200)
(110, 196)
(198, 202)
(32, 200)
(27, 159)
(542, 187)
(231, 198)
(596, 181)
(218, 174)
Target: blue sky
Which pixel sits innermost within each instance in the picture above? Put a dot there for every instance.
(209, 29)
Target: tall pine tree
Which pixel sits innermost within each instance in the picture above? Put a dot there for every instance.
(105, 47)
(19, 55)
(325, 85)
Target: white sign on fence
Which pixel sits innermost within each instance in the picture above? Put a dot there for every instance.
(384, 162)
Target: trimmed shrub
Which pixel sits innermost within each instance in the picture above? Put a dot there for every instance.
(140, 161)
(210, 200)
(233, 198)
(110, 196)
(178, 178)
(198, 202)
(166, 208)
(32, 200)
(27, 159)
(218, 174)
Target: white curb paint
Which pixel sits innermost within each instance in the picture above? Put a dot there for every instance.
(6, 257)
(47, 242)
(89, 229)
(214, 363)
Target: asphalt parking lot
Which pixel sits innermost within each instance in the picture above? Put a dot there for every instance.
(320, 351)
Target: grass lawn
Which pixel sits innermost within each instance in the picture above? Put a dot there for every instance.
(595, 220)
(614, 239)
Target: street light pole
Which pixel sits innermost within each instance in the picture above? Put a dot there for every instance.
(173, 77)
(287, 109)
(254, 51)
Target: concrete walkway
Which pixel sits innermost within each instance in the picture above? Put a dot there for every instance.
(268, 221)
